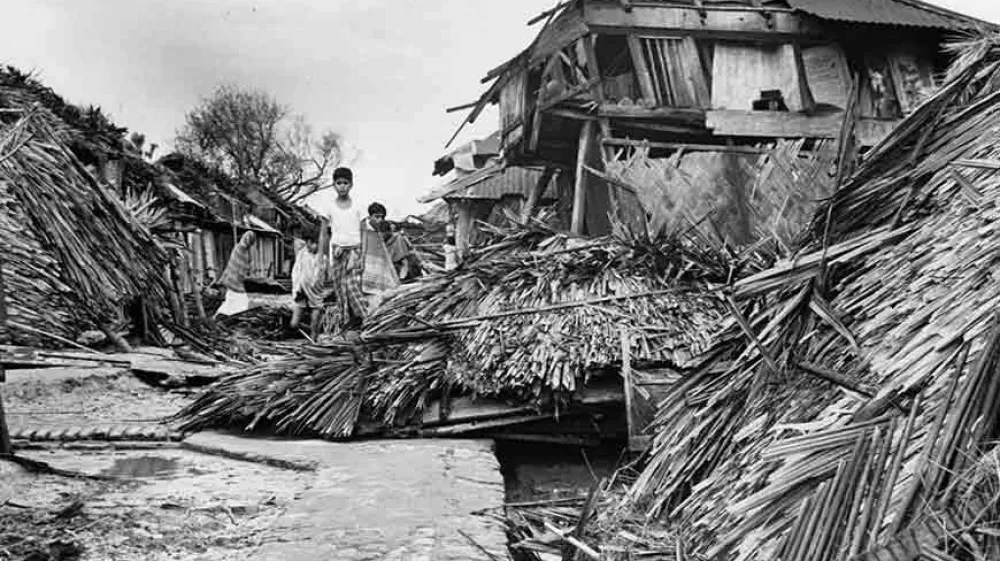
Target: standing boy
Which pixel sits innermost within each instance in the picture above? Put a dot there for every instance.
(307, 282)
(341, 237)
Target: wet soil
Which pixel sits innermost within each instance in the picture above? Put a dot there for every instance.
(164, 505)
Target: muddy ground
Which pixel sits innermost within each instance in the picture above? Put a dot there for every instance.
(158, 503)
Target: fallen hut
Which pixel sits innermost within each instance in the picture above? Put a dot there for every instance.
(531, 321)
(859, 417)
(73, 254)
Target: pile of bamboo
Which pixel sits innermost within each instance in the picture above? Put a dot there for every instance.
(850, 411)
(73, 252)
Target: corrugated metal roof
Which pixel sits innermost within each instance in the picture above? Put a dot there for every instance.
(887, 12)
(492, 182)
(253, 223)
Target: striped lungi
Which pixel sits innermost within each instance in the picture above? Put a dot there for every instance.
(344, 277)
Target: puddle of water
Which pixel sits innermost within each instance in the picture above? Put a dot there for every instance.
(144, 466)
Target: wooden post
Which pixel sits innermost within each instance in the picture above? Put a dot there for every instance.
(536, 194)
(176, 297)
(626, 342)
(5, 448)
(208, 238)
(564, 189)
(197, 272)
(175, 303)
(580, 187)
(463, 226)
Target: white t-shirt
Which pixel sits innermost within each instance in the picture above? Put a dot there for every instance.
(345, 224)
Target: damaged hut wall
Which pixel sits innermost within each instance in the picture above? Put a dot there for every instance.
(895, 81)
(770, 192)
(206, 252)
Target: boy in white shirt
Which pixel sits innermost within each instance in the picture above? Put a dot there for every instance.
(341, 234)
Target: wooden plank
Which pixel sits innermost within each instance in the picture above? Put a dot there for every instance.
(773, 124)
(827, 73)
(641, 69)
(741, 71)
(580, 186)
(806, 101)
(664, 115)
(651, 126)
(465, 409)
(694, 73)
(687, 147)
(737, 23)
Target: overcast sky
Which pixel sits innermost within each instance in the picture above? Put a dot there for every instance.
(380, 72)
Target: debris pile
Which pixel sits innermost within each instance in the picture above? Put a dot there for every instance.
(855, 415)
(530, 319)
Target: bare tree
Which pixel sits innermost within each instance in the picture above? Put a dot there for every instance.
(305, 162)
(257, 140)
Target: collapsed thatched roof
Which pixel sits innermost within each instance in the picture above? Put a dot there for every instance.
(528, 318)
(75, 253)
(90, 132)
(886, 388)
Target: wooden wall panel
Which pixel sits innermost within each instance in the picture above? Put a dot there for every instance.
(741, 71)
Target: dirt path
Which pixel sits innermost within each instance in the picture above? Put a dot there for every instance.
(54, 398)
(217, 497)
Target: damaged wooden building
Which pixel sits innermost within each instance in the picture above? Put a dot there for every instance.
(477, 186)
(690, 106)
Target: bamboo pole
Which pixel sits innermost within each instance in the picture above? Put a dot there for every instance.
(579, 188)
(5, 447)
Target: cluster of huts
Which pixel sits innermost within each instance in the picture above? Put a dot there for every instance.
(72, 180)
